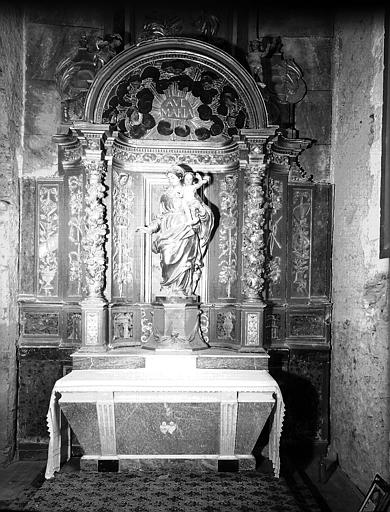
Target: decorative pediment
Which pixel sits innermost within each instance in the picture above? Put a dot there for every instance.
(175, 89)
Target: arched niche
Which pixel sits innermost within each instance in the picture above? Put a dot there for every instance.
(210, 88)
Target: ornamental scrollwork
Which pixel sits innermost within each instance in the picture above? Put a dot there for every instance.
(228, 233)
(75, 225)
(123, 217)
(173, 156)
(252, 335)
(146, 326)
(95, 229)
(276, 206)
(253, 245)
(301, 241)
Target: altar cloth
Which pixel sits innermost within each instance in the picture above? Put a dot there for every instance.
(153, 384)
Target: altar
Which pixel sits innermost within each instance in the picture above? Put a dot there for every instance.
(166, 177)
(168, 413)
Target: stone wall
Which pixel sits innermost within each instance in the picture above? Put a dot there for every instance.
(11, 142)
(307, 34)
(360, 362)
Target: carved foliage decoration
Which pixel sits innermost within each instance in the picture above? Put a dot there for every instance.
(253, 233)
(252, 333)
(75, 231)
(173, 155)
(48, 235)
(175, 99)
(301, 241)
(123, 217)
(274, 241)
(96, 229)
(227, 243)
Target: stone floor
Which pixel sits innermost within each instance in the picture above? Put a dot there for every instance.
(337, 494)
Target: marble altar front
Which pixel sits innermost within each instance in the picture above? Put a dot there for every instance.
(168, 411)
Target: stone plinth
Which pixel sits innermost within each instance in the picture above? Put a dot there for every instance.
(175, 326)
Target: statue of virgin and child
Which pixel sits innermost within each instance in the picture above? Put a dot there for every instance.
(181, 231)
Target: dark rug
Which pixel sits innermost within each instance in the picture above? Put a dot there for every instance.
(245, 491)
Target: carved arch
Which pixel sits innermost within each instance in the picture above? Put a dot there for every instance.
(200, 56)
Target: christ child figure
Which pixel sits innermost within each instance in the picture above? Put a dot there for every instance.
(193, 203)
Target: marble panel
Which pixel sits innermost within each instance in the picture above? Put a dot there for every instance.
(313, 55)
(99, 362)
(40, 156)
(167, 465)
(316, 161)
(39, 369)
(162, 428)
(233, 363)
(313, 116)
(294, 20)
(305, 389)
(82, 418)
(321, 242)
(47, 45)
(251, 419)
(43, 108)
(27, 250)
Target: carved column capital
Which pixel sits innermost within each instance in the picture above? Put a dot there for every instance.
(283, 153)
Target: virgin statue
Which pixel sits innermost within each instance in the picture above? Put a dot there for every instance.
(182, 232)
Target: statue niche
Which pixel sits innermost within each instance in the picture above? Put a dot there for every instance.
(183, 230)
(181, 233)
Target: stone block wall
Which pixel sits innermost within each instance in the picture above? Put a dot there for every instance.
(307, 34)
(360, 412)
(11, 143)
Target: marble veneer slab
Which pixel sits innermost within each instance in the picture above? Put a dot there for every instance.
(132, 358)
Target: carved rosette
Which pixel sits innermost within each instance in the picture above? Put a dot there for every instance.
(95, 229)
(253, 246)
